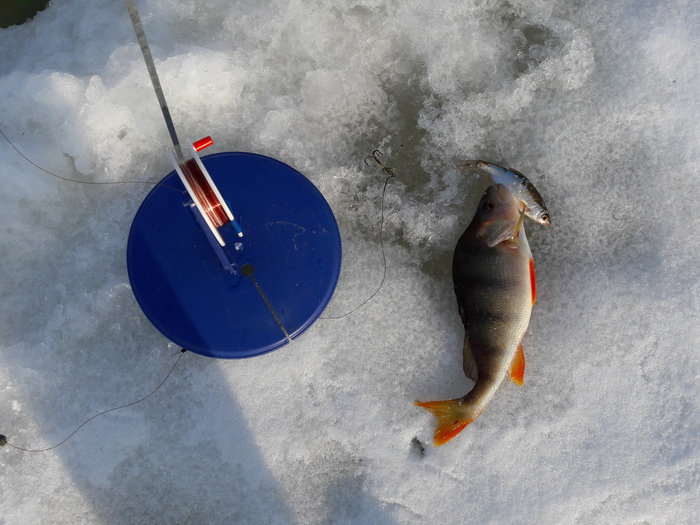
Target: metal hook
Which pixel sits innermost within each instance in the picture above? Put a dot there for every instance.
(375, 155)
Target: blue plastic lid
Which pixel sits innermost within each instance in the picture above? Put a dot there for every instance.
(287, 263)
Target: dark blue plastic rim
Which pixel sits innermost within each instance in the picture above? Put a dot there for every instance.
(291, 239)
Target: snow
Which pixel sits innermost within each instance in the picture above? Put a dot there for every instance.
(596, 102)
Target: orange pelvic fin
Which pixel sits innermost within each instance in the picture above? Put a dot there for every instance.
(451, 418)
(533, 281)
(517, 367)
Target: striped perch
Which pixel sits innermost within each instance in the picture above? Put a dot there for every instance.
(494, 280)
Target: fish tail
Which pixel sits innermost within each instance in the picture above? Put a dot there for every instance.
(452, 416)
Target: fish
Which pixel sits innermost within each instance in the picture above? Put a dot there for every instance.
(518, 184)
(495, 286)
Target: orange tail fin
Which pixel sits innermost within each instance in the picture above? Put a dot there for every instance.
(451, 418)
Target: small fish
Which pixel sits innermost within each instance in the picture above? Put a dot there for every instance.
(519, 186)
(494, 280)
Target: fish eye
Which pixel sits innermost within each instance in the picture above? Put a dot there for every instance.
(488, 205)
(545, 217)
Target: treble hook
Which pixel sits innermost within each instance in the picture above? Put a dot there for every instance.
(375, 155)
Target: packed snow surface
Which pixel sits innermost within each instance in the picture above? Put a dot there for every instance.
(596, 102)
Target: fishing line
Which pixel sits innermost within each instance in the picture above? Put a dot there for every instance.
(3, 439)
(248, 271)
(204, 193)
(210, 204)
(67, 179)
(375, 155)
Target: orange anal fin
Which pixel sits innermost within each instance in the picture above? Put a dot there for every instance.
(533, 281)
(450, 416)
(517, 367)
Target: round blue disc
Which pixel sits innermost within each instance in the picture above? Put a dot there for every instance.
(283, 270)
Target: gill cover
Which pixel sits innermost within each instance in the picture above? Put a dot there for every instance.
(497, 217)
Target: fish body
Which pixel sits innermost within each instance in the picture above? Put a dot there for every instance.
(519, 186)
(494, 282)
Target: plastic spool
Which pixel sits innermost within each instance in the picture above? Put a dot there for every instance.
(257, 292)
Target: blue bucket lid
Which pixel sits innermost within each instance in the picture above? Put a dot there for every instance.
(287, 263)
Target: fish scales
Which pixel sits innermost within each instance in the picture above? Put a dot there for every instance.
(493, 296)
(494, 285)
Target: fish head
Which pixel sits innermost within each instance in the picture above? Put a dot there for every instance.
(498, 217)
(540, 215)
